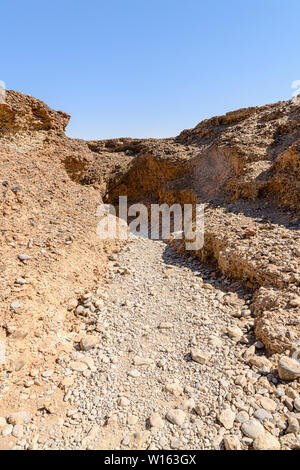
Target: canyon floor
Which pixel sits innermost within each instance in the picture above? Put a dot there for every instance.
(167, 359)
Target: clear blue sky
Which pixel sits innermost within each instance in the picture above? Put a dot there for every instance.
(149, 68)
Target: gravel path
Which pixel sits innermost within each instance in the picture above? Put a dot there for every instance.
(164, 361)
(157, 310)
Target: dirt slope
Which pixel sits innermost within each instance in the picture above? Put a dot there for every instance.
(50, 218)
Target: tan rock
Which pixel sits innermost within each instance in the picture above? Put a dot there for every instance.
(174, 388)
(165, 326)
(142, 361)
(295, 302)
(18, 431)
(289, 441)
(297, 403)
(78, 366)
(176, 416)
(260, 361)
(249, 353)
(89, 361)
(188, 405)
(266, 441)
(235, 333)
(88, 342)
(202, 357)
(226, 418)
(268, 404)
(232, 443)
(288, 368)
(294, 426)
(156, 421)
(67, 382)
(2, 422)
(132, 420)
(20, 417)
(123, 401)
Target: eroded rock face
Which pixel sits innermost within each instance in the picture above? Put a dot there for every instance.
(254, 150)
(284, 180)
(25, 113)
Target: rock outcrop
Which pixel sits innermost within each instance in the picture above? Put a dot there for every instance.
(25, 113)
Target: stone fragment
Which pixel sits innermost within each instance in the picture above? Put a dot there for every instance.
(18, 431)
(20, 417)
(297, 403)
(227, 417)
(232, 443)
(24, 257)
(7, 430)
(123, 401)
(288, 368)
(141, 437)
(2, 422)
(131, 420)
(293, 427)
(201, 357)
(295, 302)
(188, 405)
(142, 361)
(249, 353)
(47, 373)
(260, 362)
(156, 421)
(289, 442)
(266, 441)
(175, 443)
(235, 333)
(252, 428)
(134, 373)
(215, 342)
(268, 404)
(176, 416)
(165, 326)
(15, 305)
(88, 342)
(78, 366)
(174, 388)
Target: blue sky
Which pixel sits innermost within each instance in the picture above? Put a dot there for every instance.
(149, 68)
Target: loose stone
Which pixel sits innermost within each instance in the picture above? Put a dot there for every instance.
(252, 428)
(200, 356)
(176, 417)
